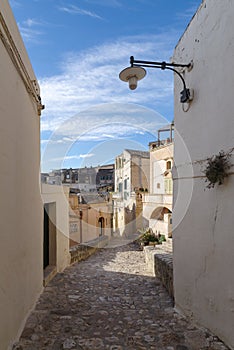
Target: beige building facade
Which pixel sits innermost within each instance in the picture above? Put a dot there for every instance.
(203, 218)
(132, 178)
(157, 204)
(21, 258)
(91, 216)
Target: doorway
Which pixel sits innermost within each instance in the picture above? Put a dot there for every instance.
(101, 223)
(49, 242)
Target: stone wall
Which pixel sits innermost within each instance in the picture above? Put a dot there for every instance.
(159, 260)
(83, 251)
(163, 269)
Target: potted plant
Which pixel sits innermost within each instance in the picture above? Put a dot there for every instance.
(148, 237)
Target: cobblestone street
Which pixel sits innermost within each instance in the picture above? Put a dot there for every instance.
(110, 302)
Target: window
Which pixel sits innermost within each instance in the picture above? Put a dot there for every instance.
(120, 163)
(125, 184)
(168, 186)
(158, 185)
(168, 165)
(73, 227)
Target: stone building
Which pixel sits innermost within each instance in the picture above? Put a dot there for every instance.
(21, 210)
(157, 204)
(131, 180)
(105, 178)
(87, 179)
(202, 218)
(91, 216)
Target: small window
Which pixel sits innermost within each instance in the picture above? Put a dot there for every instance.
(158, 185)
(168, 185)
(168, 165)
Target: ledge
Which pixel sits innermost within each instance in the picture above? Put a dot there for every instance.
(160, 262)
(49, 273)
(83, 251)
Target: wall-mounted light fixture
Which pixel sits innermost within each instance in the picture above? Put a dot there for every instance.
(81, 233)
(136, 72)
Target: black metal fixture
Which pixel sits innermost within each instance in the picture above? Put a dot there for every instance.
(81, 216)
(136, 72)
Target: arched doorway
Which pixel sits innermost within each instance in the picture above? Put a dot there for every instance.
(158, 213)
(161, 221)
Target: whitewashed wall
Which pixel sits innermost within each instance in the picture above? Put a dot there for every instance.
(59, 196)
(21, 223)
(203, 219)
(159, 166)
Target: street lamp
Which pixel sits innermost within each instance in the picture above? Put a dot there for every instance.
(136, 72)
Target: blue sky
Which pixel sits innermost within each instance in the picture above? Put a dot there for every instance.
(77, 49)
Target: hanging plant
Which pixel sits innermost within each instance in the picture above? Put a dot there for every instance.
(217, 169)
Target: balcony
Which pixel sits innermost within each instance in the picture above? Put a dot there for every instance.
(160, 143)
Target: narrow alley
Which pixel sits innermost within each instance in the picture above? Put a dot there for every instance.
(110, 301)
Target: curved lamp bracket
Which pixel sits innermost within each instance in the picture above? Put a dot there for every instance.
(136, 72)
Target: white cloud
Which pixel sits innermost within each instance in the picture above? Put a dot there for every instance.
(66, 158)
(91, 78)
(187, 13)
(80, 156)
(103, 124)
(14, 3)
(107, 121)
(30, 22)
(45, 141)
(88, 102)
(72, 9)
(109, 3)
(88, 155)
(28, 33)
(29, 30)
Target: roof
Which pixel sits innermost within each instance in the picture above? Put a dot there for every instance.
(143, 154)
(106, 167)
(92, 198)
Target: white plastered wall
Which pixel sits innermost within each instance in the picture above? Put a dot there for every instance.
(59, 196)
(203, 218)
(21, 224)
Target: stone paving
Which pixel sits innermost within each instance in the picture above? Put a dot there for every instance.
(110, 302)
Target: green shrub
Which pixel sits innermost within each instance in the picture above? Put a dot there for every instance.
(148, 236)
(161, 238)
